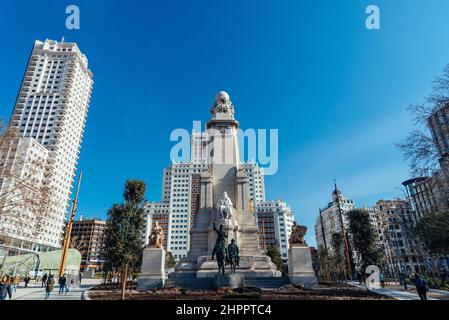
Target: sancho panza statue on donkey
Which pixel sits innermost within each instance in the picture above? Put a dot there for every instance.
(233, 255)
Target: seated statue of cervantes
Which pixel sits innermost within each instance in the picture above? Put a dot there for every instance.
(224, 207)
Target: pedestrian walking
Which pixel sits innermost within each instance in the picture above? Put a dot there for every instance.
(70, 285)
(16, 282)
(80, 275)
(62, 282)
(49, 286)
(403, 280)
(421, 286)
(359, 277)
(9, 287)
(44, 280)
(4, 287)
(27, 280)
(382, 280)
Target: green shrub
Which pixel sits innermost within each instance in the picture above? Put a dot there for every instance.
(435, 283)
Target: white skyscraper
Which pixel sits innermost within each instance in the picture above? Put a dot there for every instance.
(199, 147)
(275, 221)
(181, 184)
(256, 182)
(51, 111)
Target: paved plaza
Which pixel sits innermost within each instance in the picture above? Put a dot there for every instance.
(36, 292)
(397, 292)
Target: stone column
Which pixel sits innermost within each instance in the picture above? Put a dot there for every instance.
(152, 274)
(300, 269)
(206, 190)
(242, 191)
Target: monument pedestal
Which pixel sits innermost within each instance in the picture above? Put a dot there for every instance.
(152, 274)
(250, 266)
(300, 269)
(234, 280)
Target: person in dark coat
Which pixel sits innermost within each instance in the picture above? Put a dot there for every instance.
(9, 287)
(4, 287)
(403, 280)
(27, 280)
(62, 282)
(421, 286)
(49, 286)
(44, 280)
(359, 277)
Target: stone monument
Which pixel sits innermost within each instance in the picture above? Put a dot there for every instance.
(300, 269)
(224, 202)
(152, 274)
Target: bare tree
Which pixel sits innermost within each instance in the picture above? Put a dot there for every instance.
(24, 193)
(420, 149)
(79, 243)
(420, 152)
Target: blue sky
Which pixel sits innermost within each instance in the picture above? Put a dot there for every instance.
(336, 91)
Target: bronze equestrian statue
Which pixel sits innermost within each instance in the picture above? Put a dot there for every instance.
(220, 248)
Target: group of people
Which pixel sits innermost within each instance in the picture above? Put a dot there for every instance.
(9, 284)
(64, 287)
(418, 280)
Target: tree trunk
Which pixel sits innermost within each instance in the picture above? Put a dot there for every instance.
(128, 287)
(124, 282)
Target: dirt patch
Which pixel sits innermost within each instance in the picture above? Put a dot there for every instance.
(287, 292)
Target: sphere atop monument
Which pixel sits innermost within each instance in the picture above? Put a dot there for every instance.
(222, 97)
(223, 105)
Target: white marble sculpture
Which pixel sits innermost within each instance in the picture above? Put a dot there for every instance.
(224, 207)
